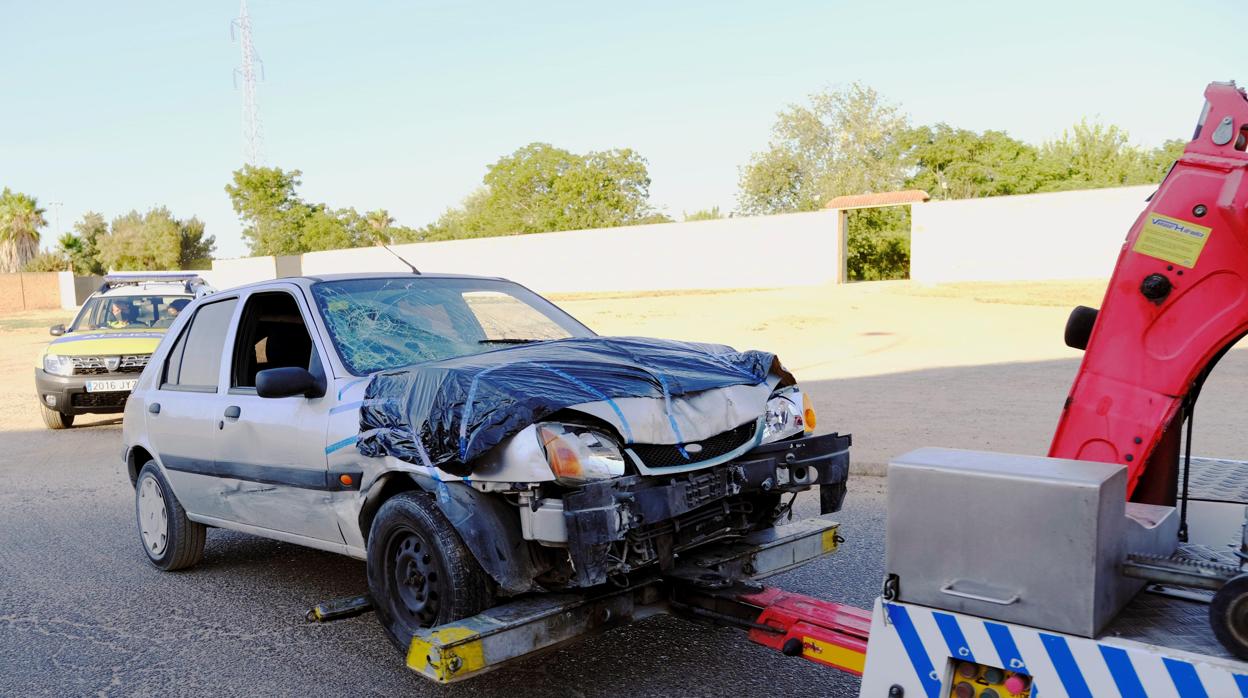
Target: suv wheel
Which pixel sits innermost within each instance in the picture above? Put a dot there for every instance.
(170, 540)
(420, 573)
(55, 420)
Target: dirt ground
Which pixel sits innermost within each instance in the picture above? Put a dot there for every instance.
(899, 366)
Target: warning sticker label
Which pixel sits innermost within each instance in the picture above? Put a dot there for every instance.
(1170, 239)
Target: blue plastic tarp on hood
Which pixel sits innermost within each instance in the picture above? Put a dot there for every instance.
(448, 413)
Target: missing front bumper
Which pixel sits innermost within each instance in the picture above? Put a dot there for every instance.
(615, 527)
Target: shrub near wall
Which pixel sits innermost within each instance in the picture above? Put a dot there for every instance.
(878, 255)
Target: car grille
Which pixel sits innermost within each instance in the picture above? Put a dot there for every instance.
(112, 398)
(95, 365)
(669, 456)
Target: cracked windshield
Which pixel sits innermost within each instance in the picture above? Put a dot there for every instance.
(379, 324)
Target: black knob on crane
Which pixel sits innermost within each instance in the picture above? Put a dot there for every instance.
(1156, 287)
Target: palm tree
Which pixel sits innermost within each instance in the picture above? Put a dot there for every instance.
(20, 221)
(380, 221)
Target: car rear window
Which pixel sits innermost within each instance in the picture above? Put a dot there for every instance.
(195, 361)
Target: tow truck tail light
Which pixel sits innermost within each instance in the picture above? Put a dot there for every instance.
(972, 680)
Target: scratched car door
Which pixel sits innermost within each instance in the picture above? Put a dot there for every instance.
(274, 448)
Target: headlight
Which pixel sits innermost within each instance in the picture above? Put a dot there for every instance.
(58, 365)
(578, 454)
(788, 413)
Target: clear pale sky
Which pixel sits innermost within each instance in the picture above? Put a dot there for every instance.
(120, 105)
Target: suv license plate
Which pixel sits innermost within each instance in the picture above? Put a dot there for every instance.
(110, 386)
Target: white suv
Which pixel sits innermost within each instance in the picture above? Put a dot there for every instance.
(92, 365)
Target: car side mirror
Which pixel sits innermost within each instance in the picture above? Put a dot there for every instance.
(56, 330)
(288, 381)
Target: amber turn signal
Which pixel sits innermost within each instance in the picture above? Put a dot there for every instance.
(346, 479)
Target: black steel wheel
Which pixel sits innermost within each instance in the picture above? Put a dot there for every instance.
(416, 576)
(1228, 614)
(420, 573)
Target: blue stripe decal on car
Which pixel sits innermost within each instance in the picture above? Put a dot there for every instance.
(1064, 662)
(1185, 679)
(1241, 682)
(346, 406)
(949, 628)
(914, 648)
(1119, 664)
(628, 433)
(349, 386)
(349, 441)
(1003, 641)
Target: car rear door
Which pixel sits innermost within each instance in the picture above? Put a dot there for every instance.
(181, 413)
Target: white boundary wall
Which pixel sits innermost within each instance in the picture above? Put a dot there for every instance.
(797, 249)
(1062, 235)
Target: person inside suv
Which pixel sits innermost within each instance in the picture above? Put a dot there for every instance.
(121, 315)
(170, 313)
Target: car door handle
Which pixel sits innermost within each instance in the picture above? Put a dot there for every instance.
(233, 412)
(154, 408)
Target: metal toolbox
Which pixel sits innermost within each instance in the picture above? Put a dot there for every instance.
(1021, 539)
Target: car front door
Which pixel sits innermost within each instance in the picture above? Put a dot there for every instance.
(273, 449)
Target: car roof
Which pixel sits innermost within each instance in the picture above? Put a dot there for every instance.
(309, 280)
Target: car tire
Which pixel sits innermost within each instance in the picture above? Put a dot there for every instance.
(420, 573)
(55, 420)
(169, 539)
(1228, 616)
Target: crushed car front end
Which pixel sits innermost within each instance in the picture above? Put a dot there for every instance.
(612, 528)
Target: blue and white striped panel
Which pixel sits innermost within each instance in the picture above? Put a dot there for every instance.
(914, 645)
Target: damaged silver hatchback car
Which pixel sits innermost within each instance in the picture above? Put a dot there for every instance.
(467, 438)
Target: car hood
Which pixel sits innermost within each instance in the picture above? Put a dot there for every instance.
(111, 343)
(448, 413)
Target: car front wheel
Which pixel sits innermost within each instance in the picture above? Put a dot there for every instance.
(170, 540)
(55, 420)
(420, 573)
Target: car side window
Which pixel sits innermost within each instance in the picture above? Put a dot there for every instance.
(195, 361)
(271, 334)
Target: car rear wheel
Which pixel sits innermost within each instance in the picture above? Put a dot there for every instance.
(420, 573)
(55, 420)
(170, 540)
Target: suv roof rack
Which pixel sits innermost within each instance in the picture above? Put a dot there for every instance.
(193, 283)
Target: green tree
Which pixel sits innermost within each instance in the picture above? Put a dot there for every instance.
(1093, 155)
(195, 248)
(20, 221)
(275, 216)
(706, 214)
(954, 163)
(843, 142)
(1164, 155)
(540, 188)
(155, 240)
(278, 221)
(380, 225)
(81, 246)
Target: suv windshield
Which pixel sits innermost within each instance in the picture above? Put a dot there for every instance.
(379, 324)
(129, 312)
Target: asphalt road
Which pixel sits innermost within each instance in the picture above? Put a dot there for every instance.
(83, 613)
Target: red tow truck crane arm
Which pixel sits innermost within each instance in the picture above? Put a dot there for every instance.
(1178, 299)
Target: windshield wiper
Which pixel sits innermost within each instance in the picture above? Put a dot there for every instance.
(508, 341)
